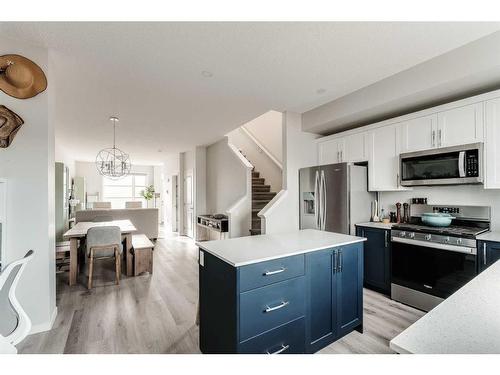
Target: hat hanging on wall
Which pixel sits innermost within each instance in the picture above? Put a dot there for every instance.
(10, 123)
(20, 77)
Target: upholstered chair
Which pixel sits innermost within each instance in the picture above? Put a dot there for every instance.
(133, 204)
(102, 243)
(101, 205)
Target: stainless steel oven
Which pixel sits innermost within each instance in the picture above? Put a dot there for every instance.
(444, 166)
(429, 269)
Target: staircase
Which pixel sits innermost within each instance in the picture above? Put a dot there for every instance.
(261, 196)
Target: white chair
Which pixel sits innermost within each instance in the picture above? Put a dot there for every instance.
(133, 204)
(101, 205)
(15, 324)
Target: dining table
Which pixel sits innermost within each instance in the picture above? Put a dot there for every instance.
(79, 232)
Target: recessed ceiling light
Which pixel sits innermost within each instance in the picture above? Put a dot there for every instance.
(320, 91)
(207, 74)
(160, 150)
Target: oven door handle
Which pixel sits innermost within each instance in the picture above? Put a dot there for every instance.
(434, 245)
(461, 164)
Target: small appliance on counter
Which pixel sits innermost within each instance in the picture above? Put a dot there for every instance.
(435, 253)
(213, 227)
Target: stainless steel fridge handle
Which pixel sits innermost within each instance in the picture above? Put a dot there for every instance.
(323, 200)
(316, 200)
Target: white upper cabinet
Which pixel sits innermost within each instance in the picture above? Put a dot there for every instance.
(329, 152)
(459, 126)
(492, 145)
(355, 148)
(383, 164)
(419, 133)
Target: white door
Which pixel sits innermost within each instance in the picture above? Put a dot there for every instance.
(188, 204)
(419, 133)
(354, 148)
(492, 145)
(383, 165)
(459, 126)
(329, 151)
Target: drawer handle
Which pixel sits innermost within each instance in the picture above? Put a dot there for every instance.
(269, 273)
(280, 306)
(281, 350)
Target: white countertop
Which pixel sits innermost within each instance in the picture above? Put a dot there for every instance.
(6, 347)
(253, 249)
(378, 225)
(489, 236)
(466, 322)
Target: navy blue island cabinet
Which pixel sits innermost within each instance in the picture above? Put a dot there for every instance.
(290, 305)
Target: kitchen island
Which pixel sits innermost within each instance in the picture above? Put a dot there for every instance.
(282, 293)
(467, 322)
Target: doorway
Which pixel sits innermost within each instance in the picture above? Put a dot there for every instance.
(188, 203)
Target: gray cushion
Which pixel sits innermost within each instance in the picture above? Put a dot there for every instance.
(104, 236)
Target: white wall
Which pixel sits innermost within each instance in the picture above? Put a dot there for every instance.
(200, 184)
(28, 167)
(267, 128)
(299, 151)
(227, 184)
(466, 195)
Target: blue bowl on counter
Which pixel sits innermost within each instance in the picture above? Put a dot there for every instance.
(437, 219)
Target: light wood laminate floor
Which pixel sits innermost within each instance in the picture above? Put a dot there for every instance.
(156, 314)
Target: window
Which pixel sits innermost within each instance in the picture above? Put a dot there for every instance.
(124, 190)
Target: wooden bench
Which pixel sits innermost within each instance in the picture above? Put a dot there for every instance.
(142, 249)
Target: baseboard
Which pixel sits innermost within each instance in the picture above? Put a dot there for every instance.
(43, 327)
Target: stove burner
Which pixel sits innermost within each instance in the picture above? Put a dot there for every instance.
(452, 230)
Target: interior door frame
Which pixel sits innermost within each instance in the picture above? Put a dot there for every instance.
(188, 173)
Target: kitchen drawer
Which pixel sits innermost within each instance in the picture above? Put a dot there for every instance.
(271, 306)
(286, 339)
(265, 273)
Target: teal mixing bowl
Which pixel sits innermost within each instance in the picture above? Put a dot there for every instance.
(437, 219)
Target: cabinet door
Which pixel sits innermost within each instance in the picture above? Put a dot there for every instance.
(460, 126)
(329, 151)
(492, 145)
(489, 253)
(349, 284)
(383, 168)
(376, 259)
(354, 148)
(320, 327)
(419, 133)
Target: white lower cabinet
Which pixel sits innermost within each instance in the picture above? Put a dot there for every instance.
(492, 145)
(459, 126)
(383, 164)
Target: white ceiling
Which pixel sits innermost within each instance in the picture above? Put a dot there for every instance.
(149, 74)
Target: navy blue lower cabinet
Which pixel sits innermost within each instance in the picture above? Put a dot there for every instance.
(321, 287)
(296, 304)
(377, 258)
(488, 253)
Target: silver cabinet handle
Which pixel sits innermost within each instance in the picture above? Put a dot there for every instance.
(281, 350)
(334, 261)
(269, 273)
(280, 306)
(386, 242)
(341, 155)
(484, 253)
(433, 138)
(341, 260)
(440, 142)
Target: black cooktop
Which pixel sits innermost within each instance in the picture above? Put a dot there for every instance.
(452, 230)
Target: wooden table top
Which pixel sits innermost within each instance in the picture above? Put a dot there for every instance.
(80, 229)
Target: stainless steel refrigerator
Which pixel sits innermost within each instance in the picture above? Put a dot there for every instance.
(334, 197)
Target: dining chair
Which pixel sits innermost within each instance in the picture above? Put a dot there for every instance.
(101, 205)
(103, 243)
(133, 204)
(15, 324)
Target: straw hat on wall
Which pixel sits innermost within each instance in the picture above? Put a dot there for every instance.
(20, 77)
(10, 123)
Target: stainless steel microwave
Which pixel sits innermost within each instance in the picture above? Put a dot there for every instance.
(444, 166)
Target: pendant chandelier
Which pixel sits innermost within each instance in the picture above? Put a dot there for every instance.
(113, 162)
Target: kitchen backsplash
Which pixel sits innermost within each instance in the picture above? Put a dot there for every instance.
(452, 195)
